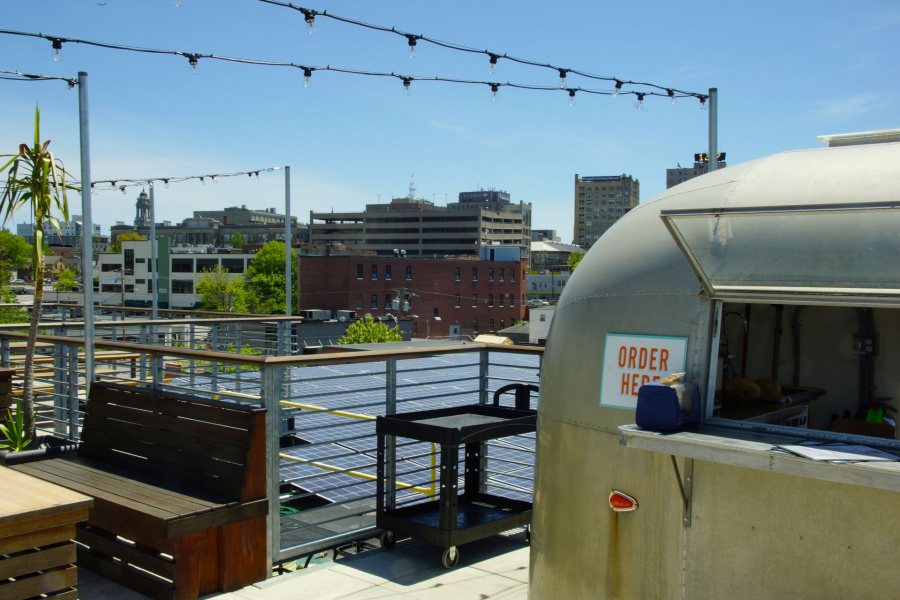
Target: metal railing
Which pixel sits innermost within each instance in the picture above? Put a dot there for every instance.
(321, 439)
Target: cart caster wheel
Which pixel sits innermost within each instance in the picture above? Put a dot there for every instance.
(450, 557)
(527, 534)
(388, 540)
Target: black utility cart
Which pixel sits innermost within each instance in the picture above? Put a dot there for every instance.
(453, 519)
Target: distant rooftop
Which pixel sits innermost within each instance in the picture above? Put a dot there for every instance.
(863, 137)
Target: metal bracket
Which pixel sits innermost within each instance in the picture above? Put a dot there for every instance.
(686, 486)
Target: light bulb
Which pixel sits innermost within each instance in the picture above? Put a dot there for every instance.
(307, 77)
(166, 181)
(640, 101)
(702, 102)
(202, 181)
(57, 46)
(617, 89)
(192, 60)
(571, 97)
(671, 94)
(412, 45)
(494, 88)
(492, 63)
(310, 18)
(406, 83)
(562, 77)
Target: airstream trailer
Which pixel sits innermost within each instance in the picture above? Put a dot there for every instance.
(775, 286)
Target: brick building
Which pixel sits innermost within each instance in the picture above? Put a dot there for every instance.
(446, 297)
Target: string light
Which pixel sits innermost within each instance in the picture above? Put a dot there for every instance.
(193, 58)
(310, 17)
(123, 184)
(21, 76)
(562, 77)
(57, 47)
(494, 88)
(492, 62)
(411, 41)
(640, 101)
(571, 97)
(671, 94)
(406, 83)
(307, 76)
(492, 55)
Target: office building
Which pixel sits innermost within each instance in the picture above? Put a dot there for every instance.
(600, 201)
(419, 228)
(701, 165)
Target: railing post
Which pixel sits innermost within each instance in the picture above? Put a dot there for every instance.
(483, 361)
(214, 365)
(143, 365)
(239, 344)
(4, 353)
(156, 366)
(73, 393)
(269, 379)
(60, 393)
(192, 364)
(390, 407)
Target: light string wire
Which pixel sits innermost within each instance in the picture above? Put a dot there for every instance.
(194, 57)
(493, 57)
(123, 184)
(21, 76)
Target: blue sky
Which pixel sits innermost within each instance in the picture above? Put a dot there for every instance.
(786, 72)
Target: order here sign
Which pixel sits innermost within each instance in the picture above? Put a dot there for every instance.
(631, 360)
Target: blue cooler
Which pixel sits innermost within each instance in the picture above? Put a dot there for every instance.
(668, 407)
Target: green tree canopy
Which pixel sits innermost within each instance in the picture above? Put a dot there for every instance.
(116, 246)
(66, 281)
(369, 331)
(264, 280)
(220, 292)
(575, 259)
(15, 253)
(238, 240)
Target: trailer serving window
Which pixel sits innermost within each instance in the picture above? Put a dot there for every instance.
(806, 332)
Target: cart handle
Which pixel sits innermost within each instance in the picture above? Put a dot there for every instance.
(523, 394)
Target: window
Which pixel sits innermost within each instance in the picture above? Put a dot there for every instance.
(512, 275)
(129, 288)
(234, 265)
(182, 286)
(359, 302)
(491, 326)
(474, 325)
(207, 264)
(149, 286)
(182, 265)
(374, 275)
(474, 273)
(129, 261)
(512, 300)
(387, 272)
(500, 299)
(474, 299)
(373, 302)
(500, 274)
(436, 313)
(359, 271)
(543, 317)
(140, 261)
(408, 274)
(388, 302)
(490, 299)
(456, 301)
(490, 273)
(457, 274)
(108, 267)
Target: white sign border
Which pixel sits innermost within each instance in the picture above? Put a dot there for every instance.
(680, 338)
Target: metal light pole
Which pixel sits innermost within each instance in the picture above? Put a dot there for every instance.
(713, 130)
(153, 266)
(87, 236)
(288, 282)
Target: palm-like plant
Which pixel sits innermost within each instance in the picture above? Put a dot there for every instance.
(36, 179)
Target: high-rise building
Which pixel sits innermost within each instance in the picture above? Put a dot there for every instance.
(701, 165)
(419, 228)
(600, 201)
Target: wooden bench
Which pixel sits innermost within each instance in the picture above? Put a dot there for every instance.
(181, 479)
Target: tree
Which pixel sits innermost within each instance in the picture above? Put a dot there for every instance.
(238, 240)
(264, 280)
(574, 260)
(220, 292)
(369, 331)
(116, 246)
(66, 281)
(15, 254)
(36, 179)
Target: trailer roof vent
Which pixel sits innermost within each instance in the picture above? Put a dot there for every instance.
(863, 137)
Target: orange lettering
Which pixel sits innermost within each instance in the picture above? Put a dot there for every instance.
(634, 384)
(642, 359)
(653, 359)
(663, 359)
(622, 357)
(632, 354)
(624, 389)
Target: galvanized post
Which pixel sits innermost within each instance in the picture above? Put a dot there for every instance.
(192, 363)
(73, 393)
(143, 364)
(239, 343)
(483, 362)
(713, 130)
(156, 366)
(87, 231)
(390, 407)
(269, 388)
(214, 364)
(60, 362)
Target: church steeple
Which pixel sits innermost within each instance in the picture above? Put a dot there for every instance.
(142, 212)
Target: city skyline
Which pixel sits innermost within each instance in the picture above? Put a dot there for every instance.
(352, 141)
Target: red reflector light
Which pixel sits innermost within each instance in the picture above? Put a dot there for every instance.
(622, 502)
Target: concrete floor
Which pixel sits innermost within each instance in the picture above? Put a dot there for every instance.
(494, 568)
